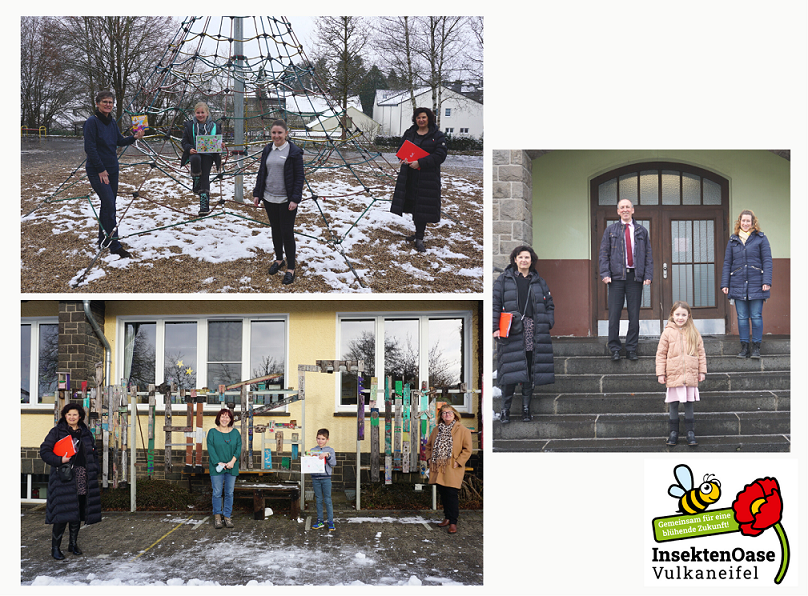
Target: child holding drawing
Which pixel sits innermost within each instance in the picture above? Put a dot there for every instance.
(322, 482)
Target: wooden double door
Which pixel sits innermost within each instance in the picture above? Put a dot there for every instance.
(685, 210)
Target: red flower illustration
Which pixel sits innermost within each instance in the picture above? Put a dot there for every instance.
(758, 506)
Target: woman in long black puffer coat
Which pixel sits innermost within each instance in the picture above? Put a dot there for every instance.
(418, 185)
(524, 357)
(76, 500)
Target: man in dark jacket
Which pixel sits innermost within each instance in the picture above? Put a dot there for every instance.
(625, 272)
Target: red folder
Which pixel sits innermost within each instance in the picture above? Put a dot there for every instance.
(65, 447)
(411, 152)
(505, 319)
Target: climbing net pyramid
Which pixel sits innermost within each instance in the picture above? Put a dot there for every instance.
(250, 71)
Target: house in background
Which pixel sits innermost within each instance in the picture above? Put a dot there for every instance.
(460, 115)
(330, 124)
(199, 344)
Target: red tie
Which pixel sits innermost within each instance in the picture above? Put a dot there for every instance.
(628, 248)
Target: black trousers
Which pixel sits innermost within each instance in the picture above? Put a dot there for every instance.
(201, 163)
(282, 221)
(630, 291)
(450, 497)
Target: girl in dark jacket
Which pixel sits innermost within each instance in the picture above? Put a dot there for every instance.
(524, 357)
(201, 163)
(280, 186)
(747, 279)
(418, 185)
(78, 499)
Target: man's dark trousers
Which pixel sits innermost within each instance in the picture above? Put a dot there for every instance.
(630, 291)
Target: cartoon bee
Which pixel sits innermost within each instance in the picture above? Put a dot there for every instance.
(693, 500)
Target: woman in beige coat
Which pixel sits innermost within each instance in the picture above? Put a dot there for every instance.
(447, 452)
(680, 365)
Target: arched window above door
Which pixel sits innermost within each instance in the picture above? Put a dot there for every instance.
(661, 186)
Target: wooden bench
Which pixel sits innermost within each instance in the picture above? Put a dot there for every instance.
(260, 492)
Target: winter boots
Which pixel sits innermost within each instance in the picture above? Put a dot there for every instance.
(673, 427)
(217, 521)
(755, 350)
(73, 538)
(56, 540)
(690, 424)
(744, 353)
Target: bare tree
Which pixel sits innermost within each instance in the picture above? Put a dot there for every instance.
(475, 52)
(395, 42)
(442, 42)
(45, 88)
(116, 53)
(340, 44)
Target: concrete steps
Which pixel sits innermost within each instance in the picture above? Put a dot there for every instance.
(596, 404)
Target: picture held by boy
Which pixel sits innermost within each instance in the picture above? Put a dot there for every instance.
(681, 365)
(322, 482)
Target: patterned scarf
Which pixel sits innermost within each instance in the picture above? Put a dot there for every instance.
(442, 450)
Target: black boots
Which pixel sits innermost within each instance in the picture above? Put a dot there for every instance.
(755, 350)
(56, 540)
(505, 416)
(690, 424)
(744, 353)
(673, 427)
(73, 538)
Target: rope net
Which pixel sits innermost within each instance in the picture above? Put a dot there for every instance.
(265, 69)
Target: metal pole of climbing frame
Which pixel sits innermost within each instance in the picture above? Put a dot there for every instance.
(238, 106)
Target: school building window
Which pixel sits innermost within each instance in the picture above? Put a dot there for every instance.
(449, 131)
(409, 348)
(203, 352)
(448, 112)
(39, 352)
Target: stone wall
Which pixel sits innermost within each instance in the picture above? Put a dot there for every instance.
(512, 203)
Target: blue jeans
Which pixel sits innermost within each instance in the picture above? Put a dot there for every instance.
(107, 193)
(322, 492)
(223, 483)
(750, 309)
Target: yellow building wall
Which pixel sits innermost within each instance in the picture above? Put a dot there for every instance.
(312, 336)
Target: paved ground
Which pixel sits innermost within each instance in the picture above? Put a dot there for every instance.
(176, 549)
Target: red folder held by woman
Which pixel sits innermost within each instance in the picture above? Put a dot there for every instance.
(411, 152)
(505, 319)
(65, 447)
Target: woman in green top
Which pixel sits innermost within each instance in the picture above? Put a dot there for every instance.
(224, 449)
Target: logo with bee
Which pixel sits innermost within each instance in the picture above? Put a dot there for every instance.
(749, 511)
(694, 500)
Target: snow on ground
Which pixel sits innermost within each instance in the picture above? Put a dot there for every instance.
(148, 228)
(282, 565)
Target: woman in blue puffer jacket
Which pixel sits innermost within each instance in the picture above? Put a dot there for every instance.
(747, 279)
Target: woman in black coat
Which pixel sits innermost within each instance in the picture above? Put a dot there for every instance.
(78, 499)
(747, 279)
(280, 186)
(526, 356)
(418, 185)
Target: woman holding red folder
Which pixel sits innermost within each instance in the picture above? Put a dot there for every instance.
(526, 355)
(73, 496)
(418, 185)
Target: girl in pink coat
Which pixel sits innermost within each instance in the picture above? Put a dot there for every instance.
(680, 365)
